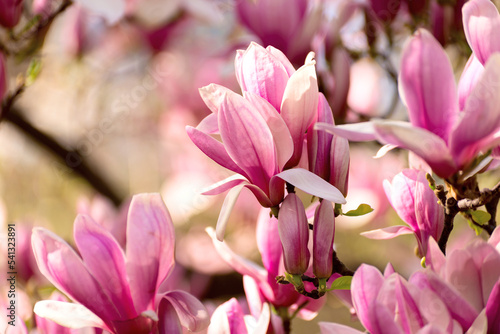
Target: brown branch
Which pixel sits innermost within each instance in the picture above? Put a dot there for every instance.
(71, 158)
(450, 211)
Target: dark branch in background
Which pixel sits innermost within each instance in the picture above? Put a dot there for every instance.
(71, 158)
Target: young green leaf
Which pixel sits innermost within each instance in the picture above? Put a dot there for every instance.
(480, 217)
(362, 209)
(341, 283)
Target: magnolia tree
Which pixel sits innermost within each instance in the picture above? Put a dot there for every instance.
(278, 94)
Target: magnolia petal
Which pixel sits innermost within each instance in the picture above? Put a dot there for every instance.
(169, 322)
(260, 72)
(214, 149)
(300, 105)
(151, 236)
(68, 314)
(471, 74)
(481, 25)
(209, 124)
(254, 297)
(105, 260)
(435, 258)
(427, 145)
(282, 139)
(428, 84)
(363, 131)
(225, 211)
(270, 250)
(312, 184)
(191, 312)
(384, 150)
(365, 286)
(262, 322)
(410, 317)
(323, 236)
(333, 328)
(319, 142)
(60, 264)
(248, 139)
(493, 308)
(480, 325)
(224, 185)
(238, 263)
(213, 96)
(387, 232)
(282, 58)
(481, 116)
(111, 10)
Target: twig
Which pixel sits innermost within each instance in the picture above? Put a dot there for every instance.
(78, 164)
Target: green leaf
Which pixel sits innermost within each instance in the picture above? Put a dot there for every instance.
(341, 283)
(362, 209)
(33, 71)
(477, 229)
(480, 217)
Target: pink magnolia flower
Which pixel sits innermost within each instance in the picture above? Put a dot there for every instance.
(229, 318)
(117, 289)
(260, 282)
(390, 304)
(11, 12)
(417, 205)
(262, 131)
(447, 139)
(323, 236)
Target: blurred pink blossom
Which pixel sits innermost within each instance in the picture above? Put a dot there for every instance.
(229, 318)
(11, 12)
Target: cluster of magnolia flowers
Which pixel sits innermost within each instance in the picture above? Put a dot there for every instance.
(279, 137)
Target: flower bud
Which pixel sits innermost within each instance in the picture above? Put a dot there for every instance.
(339, 164)
(11, 12)
(323, 236)
(294, 234)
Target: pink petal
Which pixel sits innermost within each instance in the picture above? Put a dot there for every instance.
(471, 74)
(493, 309)
(387, 232)
(480, 325)
(365, 287)
(428, 84)
(225, 211)
(481, 25)
(191, 312)
(105, 260)
(408, 311)
(238, 263)
(480, 119)
(150, 247)
(213, 96)
(68, 314)
(425, 144)
(224, 185)
(282, 139)
(209, 124)
(435, 259)
(312, 184)
(333, 328)
(260, 72)
(168, 321)
(282, 59)
(263, 320)
(323, 236)
(363, 131)
(339, 164)
(254, 297)
(299, 106)
(270, 250)
(214, 149)
(228, 318)
(248, 139)
(60, 264)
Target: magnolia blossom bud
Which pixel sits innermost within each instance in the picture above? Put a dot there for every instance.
(323, 235)
(10, 12)
(339, 164)
(294, 234)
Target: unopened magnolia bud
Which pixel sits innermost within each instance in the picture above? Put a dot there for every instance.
(323, 236)
(294, 234)
(339, 164)
(10, 12)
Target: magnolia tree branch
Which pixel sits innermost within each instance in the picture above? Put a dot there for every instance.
(72, 159)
